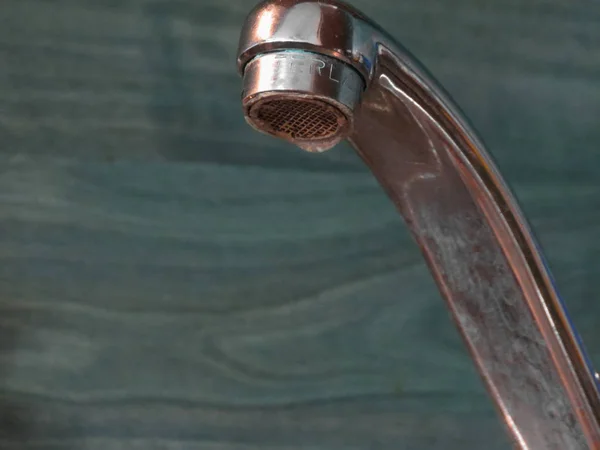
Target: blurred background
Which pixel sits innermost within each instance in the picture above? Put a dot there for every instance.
(170, 279)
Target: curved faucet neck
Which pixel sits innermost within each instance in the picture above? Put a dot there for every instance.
(483, 257)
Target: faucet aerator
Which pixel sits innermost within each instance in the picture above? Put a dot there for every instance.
(302, 97)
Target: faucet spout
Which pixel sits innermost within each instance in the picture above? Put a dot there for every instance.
(316, 72)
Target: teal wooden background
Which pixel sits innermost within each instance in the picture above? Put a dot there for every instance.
(171, 280)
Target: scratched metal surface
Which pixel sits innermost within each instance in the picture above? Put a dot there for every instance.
(171, 280)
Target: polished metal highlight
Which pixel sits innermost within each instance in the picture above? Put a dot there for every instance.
(435, 169)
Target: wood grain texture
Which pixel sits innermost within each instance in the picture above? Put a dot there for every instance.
(170, 279)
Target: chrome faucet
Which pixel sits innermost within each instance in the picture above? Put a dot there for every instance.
(318, 71)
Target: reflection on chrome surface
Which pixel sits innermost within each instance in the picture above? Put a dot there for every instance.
(317, 72)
